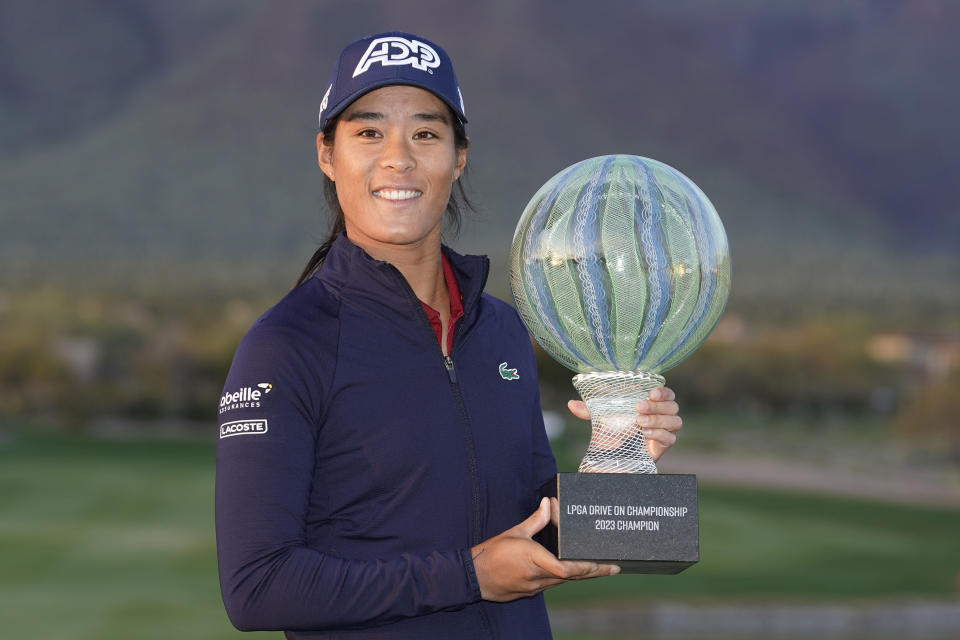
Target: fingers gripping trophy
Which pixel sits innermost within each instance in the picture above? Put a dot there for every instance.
(620, 269)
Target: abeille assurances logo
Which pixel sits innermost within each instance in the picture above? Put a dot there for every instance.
(245, 398)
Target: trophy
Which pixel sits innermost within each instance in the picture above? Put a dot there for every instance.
(620, 268)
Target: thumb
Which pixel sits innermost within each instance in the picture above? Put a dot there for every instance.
(537, 520)
(579, 409)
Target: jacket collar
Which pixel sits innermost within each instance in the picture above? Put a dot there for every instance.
(348, 268)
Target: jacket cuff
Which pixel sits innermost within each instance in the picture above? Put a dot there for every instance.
(472, 584)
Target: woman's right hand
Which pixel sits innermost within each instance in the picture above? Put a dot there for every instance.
(511, 565)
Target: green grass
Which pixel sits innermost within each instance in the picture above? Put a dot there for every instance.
(103, 540)
(775, 545)
(114, 539)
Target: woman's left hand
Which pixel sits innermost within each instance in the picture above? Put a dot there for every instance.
(658, 419)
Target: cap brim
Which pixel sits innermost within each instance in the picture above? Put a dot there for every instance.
(339, 108)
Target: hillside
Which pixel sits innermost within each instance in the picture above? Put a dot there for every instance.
(144, 140)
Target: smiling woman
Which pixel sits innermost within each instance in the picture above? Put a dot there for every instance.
(376, 491)
(403, 61)
(394, 163)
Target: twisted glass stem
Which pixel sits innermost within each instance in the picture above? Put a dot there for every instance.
(617, 444)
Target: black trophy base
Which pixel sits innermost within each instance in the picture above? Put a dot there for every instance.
(645, 523)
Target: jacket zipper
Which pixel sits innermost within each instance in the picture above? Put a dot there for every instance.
(475, 532)
(451, 372)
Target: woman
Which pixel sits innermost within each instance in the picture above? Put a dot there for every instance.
(376, 472)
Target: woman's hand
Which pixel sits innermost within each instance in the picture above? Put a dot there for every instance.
(658, 419)
(511, 565)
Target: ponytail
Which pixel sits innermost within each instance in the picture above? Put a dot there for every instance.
(333, 204)
(338, 227)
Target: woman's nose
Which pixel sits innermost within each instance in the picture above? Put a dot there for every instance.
(397, 154)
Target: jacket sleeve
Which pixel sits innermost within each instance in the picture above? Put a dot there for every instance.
(544, 464)
(270, 578)
(544, 470)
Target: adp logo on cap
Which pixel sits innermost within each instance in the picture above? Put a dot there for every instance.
(418, 54)
(387, 59)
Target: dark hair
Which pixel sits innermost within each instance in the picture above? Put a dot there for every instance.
(458, 198)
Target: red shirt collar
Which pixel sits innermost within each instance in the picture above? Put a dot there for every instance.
(456, 305)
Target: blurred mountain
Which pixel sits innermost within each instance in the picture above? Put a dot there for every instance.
(176, 139)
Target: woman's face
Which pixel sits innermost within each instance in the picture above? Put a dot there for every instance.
(394, 162)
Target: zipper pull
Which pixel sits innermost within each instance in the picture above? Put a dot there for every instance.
(448, 363)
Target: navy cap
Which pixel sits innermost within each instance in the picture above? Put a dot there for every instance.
(389, 59)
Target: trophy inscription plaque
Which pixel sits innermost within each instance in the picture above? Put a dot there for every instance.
(620, 269)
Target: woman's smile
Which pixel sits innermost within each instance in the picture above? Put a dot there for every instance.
(397, 194)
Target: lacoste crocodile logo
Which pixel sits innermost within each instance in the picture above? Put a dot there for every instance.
(508, 374)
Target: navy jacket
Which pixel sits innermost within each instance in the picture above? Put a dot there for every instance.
(356, 465)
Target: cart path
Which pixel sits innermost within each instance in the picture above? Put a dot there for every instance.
(939, 488)
(867, 619)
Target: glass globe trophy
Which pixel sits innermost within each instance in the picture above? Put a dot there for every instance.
(620, 269)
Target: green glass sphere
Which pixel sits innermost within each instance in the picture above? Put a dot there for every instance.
(620, 263)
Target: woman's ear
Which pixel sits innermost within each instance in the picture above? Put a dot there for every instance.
(461, 161)
(325, 156)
